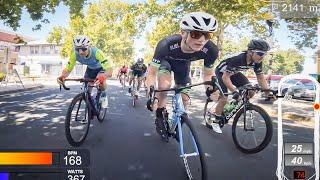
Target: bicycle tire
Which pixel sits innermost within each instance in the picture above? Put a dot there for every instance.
(99, 108)
(268, 135)
(185, 122)
(78, 97)
(205, 115)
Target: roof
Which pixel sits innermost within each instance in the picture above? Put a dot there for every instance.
(12, 37)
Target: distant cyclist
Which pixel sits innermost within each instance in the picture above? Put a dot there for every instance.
(98, 67)
(230, 77)
(137, 69)
(123, 71)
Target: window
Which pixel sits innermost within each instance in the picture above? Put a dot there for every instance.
(45, 50)
(56, 49)
(34, 49)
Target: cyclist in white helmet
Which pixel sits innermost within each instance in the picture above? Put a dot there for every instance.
(98, 67)
(175, 53)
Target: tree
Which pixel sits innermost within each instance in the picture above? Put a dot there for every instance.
(286, 62)
(112, 27)
(303, 32)
(227, 12)
(56, 35)
(11, 10)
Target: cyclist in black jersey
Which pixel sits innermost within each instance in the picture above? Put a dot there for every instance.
(175, 54)
(137, 69)
(230, 77)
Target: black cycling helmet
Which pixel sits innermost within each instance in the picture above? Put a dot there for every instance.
(258, 45)
(140, 61)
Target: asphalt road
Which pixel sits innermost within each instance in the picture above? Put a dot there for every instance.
(126, 146)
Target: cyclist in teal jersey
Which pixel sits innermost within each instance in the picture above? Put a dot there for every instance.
(98, 67)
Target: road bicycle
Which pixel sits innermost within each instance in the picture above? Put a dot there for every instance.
(179, 127)
(252, 126)
(83, 108)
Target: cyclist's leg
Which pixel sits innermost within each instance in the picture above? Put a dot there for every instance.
(91, 74)
(139, 80)
(164, 82)
(243, 80)
(131, 76)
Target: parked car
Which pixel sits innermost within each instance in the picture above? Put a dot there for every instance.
(273, 81)
(306, 91)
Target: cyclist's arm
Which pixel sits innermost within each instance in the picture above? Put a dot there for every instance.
(160, 52)
(260, 77)
(105, 64)
(70, 65)
(208, 63)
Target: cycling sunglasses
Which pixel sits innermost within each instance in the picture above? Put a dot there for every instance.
(198, 34)
(260, 53)
(82, 49)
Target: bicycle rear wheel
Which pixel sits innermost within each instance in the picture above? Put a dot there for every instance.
(254, 133)
(77, 121)
(191, 152)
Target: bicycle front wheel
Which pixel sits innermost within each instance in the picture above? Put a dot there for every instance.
(101, 111)
(77, 121)
(254, 132)
(190, 151)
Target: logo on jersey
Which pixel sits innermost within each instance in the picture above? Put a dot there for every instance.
(174, 46)
(156, 61)
(205, 50)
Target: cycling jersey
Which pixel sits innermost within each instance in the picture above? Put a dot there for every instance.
(138, 70)
(234, 65)
(238, 63)
(169, 57)
(95, 60)
(123, 70)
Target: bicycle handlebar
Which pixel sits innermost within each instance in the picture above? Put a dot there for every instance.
(75, 79)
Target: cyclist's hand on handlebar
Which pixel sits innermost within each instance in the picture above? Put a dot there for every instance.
(60, 80)
(235, 94)
(209, 92)
(270, 97)
(100, 79)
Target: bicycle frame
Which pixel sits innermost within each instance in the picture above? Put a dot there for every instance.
(87, 95)
(177, 111)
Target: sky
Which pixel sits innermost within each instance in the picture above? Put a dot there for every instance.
(61, 18)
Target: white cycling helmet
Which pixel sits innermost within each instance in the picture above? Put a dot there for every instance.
(199, 21)
(81, 40)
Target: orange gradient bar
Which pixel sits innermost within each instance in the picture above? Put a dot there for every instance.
(25, 158)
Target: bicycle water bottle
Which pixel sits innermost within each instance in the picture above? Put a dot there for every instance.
(230, 106)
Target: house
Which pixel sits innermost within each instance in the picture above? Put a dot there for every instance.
(8, 51)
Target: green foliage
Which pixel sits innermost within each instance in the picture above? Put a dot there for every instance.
(285, 62)
(56, 35)
(11, 10)
(303, 31)
(111, 25)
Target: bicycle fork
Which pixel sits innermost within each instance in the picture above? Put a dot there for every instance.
(251, 128)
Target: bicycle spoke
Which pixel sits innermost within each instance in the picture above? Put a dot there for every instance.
(256, 134)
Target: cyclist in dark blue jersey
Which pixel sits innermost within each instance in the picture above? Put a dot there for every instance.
(230, 77)
(175, 54)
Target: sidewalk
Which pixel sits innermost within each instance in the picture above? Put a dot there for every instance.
(294, 110)
(13, 87)
(30, 83)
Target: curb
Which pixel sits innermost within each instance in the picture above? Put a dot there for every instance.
(21, 90)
